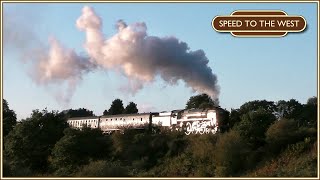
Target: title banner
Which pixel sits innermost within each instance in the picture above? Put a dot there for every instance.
(259, 23)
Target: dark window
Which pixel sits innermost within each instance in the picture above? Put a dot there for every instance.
(141, 119)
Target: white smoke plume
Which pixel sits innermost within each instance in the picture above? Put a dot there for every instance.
(53, 66)
(59, 65)
(141, 57)
(131, 51)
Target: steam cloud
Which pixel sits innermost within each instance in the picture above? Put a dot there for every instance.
(131, 51)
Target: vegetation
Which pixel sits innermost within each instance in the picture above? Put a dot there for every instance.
(261, 138)
(201, 101)
(117, 108)
(131, 108)
(81, 112)
(9, 118)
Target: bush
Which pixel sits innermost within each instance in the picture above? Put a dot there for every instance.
(231, 152)
(297, 160)
(181, 165)
(284, 132)
(253, 126)
(76, 148)
(102, 169)
(30, 143)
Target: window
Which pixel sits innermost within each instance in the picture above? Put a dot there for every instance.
(132, 118)
(141, 119)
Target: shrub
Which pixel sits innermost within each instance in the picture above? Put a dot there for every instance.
(231, 152)
(284, 132)
(102, 169)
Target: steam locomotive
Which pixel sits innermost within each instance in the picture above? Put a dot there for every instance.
(194, 121)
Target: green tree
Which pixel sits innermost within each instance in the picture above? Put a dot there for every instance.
(105, 112)
(9, 118)
(289, 109)
(116, 107)
(253, 126)
(230, 153)
(81, 112)
(102, 168)
(201, 101)
(308, 116)
(267, 106)
(312, 101)
(281, 133)
(223, 117)
(31, 141)
(76, 148)
(131, 108)
(234, 117)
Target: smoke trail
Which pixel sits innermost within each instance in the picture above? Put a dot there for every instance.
(131, 51)
(141, 57)
(58, 65)
(57, 68)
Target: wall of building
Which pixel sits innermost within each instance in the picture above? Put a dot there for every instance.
(79, 123)
(122, 121)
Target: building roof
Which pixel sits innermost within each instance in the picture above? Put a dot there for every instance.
(122, 115)
(80, 118)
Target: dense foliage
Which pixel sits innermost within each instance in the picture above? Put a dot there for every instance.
(118, 108)
(81, 112)
(9, 118)
(200, 101)
(261, 138)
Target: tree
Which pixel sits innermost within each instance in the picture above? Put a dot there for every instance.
(131, 108)
(9, 118)
(289, 109)
(31, 141)
(313, 101)
(105, 112)
(267, 106)
(201, 101)
(253, 126)
(223, 117)
(281, 133)
(81, 112)
(77, 147)
(234, 117)
(308, 116)
(102, 168)
(230, 153)
(116, 107)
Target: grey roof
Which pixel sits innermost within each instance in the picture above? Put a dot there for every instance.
(177, 110)
(121, 115)
(200, 110)
(88, 117)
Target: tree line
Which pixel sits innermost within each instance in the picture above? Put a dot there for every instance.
(260, 138)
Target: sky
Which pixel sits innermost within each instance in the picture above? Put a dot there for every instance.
(246, 68)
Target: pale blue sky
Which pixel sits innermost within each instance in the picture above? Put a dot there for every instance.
(247, 68)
